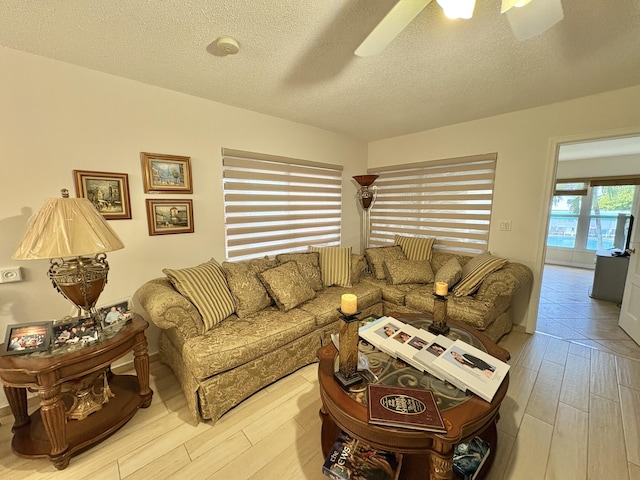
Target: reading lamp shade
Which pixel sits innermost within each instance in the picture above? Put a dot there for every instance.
(71, 227)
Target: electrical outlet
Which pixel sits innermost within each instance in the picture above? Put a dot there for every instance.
(505, 225)
(12, 274)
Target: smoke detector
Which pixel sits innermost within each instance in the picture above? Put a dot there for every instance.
(226, 46)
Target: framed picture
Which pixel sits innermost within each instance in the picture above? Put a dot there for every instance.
(77, 332)
(166, 173)
(109, 192)
(25, 338)
(115, 313)
(169, 216)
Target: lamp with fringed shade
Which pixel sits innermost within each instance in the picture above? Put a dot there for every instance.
(75, 237)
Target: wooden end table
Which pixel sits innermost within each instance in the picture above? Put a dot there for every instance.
(425, 454)
(47, 432)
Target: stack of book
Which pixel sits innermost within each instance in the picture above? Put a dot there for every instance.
(352, 459)
(456, 362)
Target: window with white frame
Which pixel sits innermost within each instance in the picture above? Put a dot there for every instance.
(448, 199)
(276, 204)
(592, 213)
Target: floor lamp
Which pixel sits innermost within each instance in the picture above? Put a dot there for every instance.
(367, 197)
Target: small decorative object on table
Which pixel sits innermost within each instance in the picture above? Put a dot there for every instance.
(347, 373)
(439, 325)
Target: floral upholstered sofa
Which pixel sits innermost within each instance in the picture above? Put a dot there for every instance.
(481, 287)
(231, 328)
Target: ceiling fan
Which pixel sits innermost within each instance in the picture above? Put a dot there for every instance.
(531, 18)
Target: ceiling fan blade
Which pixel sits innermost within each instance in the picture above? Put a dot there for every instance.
(534, 18)
(391, 25)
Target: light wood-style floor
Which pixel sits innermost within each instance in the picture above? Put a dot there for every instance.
(572, 412)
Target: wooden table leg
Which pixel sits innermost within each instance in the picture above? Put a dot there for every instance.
(54, 422)
(17, 398)
(329, 433)
(441, 461)
(141, 363)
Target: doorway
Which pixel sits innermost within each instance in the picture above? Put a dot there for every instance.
(566, 309)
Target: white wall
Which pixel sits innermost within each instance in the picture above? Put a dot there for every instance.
(526, 143)
(55, 117)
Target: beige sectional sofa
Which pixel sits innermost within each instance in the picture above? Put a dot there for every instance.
(230, 329)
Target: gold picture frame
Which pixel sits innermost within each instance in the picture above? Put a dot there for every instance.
(165, 216)
(109, 192)
(166, 173)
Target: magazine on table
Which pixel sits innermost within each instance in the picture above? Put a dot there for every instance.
(480, 372)
(469, 457)
(350, 458)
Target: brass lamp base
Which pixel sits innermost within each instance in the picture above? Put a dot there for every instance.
(80, 280)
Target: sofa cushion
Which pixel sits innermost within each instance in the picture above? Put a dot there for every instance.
(358, 267)
(400, 271)
(206, 288)
(449, 273)
(325, 306)
(475, 271)
(249, 294)
(237, 341)
(416, 248)
(376, 256)
(467, 309)
(335, 265)
(287, 286)
(308, 264)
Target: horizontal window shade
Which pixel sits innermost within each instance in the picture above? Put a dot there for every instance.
(584, 183)
(447, 199)
(276, 205)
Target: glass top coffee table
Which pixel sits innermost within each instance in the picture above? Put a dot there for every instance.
(426, 454)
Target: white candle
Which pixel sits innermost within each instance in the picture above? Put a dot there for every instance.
(442, 288)
(349, 304)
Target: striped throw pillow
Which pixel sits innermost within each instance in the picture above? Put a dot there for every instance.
(335, 265)
(416, 248)
(475, 271)
(206, 287)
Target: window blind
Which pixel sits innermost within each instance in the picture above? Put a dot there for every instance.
(276, 204)
(448, 199)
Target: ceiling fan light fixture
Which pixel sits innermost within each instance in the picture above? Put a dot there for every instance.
(458, 8)
(508, 4)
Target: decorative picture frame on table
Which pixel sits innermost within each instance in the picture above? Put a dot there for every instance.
(166, 173)
(74, 333)
(165, 216)
(24, 338)
(109, 192)
(115, 314)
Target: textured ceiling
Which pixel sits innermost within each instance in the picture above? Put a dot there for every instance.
(296, 59)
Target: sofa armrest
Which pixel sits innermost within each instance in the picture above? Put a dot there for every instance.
(169, 309)
(505, 282)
